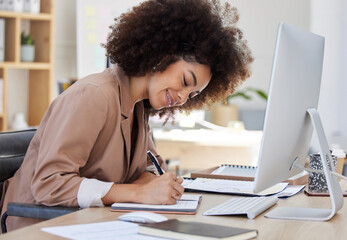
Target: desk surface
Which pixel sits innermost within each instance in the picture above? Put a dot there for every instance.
(268, 228)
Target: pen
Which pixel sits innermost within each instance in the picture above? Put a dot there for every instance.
(155, 162)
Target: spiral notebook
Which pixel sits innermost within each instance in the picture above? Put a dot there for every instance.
(243, 173)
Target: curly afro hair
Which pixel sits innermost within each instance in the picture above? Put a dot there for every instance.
(157, 33)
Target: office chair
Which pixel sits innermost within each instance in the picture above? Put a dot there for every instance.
(13, 146)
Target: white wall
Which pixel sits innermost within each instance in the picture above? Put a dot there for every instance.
(329, 18)
(65, 40)
(259, 21)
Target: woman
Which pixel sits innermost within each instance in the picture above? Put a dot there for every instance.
(90, 148)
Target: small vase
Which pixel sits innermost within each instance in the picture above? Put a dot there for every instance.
(19, 122)
(27, 53)
(223, 114)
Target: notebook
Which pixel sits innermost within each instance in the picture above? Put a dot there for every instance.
(242, 172)
(176, 229)
(188, 204)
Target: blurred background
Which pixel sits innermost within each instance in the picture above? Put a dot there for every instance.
(81, 25)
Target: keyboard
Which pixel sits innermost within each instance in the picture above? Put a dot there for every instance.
(250, 206)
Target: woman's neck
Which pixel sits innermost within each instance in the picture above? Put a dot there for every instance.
(138, 89)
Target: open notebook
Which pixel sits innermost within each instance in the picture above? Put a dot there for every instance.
(242, 172)
(188, 204)
(234, 187)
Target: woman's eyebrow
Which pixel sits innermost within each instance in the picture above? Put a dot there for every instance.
(194, 77)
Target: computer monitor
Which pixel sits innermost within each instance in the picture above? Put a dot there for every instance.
(291, 117)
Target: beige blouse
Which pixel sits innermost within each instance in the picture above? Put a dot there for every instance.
(84, 135)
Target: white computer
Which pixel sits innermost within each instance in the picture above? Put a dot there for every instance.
(291, 117)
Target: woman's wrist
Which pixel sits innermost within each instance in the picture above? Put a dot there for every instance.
(121, 193)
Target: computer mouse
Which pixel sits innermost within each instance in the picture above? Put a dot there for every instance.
(142, 217)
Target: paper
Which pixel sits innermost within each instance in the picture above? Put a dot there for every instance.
(229, 186)
(190, 197)
(99, 231)
(187, 203)
(290, 190)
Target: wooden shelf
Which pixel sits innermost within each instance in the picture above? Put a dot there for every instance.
(26, 16)
(24, 65)
(40, 72)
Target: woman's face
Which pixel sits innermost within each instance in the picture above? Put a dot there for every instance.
(179, 82)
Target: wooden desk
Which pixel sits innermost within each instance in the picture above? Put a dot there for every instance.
(268, 228)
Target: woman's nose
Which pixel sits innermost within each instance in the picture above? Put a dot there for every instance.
(183, 97)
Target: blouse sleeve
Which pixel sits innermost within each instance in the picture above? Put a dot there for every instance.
(71, 128)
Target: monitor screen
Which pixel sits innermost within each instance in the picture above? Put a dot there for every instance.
(294, 88)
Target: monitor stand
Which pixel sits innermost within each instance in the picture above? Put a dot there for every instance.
(336, 196)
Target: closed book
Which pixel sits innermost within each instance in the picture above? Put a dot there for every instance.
(176, 229)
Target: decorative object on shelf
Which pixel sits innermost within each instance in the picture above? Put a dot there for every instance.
(27, 49)
(225, 112)
(32, 6)
(2, 5)
(65, 83)
(19, 122)
(13, 5)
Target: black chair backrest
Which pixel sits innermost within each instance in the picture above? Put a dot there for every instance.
(13, 146)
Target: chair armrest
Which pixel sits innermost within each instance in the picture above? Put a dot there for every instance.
(37, 211)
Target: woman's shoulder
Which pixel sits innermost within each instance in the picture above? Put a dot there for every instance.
(104, 82)
(99, 79)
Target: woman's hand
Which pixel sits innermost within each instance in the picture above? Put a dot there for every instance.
(147, 189)
(165, 189)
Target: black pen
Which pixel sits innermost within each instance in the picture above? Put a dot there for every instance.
(155, 162)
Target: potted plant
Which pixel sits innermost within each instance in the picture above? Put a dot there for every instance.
(226, 111)
(27, 50)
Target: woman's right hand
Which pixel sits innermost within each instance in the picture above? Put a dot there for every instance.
(165, 189)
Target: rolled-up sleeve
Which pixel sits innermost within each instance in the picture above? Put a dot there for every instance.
(91, 191)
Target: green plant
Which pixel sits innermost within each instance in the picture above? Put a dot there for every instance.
(245, 94)
(26, 39)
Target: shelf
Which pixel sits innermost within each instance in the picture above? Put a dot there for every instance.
(28, 16)
(25, 65)
(40, 72)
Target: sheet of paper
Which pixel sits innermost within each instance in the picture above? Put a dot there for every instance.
(290, 190)
(230, 186)
(190, 197)
(100, 231)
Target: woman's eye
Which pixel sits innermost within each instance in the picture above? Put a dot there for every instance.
(184, 81)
